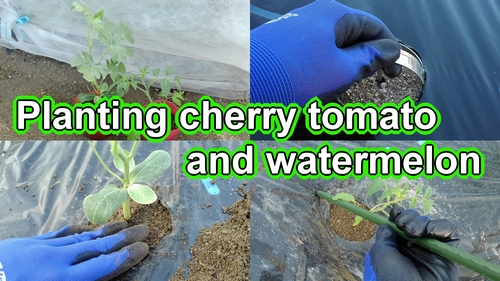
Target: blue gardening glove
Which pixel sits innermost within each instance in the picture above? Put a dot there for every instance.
(71, 254)
(394, 258)
(318, 50)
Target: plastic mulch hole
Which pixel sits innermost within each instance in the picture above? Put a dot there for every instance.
(342, 222)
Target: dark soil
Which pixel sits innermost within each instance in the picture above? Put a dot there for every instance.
(395, 90)
(342, 220)
(26, 74)
(222, 252)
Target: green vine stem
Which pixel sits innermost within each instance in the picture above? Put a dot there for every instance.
(104, 164)
(126, 208)
(454, 254)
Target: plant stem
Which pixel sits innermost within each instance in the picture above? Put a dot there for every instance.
(134, 148)
(118, 152)
(126, 209)
(103, 164)
(454, 254)
(118, 41)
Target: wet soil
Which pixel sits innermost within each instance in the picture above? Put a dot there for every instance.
(26, 74)
(342, 221)
(222, 252)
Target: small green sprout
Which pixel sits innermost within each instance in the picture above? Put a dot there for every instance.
(391, 196)
(101, 206)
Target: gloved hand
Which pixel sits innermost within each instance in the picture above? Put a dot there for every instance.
(394, 258)
(318, 50)
(71, 254)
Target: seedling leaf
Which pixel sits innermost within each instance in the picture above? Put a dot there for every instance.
(101, 206)
(119, 164)
(428, 193)
(141, 194)
(413, 203)
(375, 186)
(419, 189)
(385, 195)
(344, 196)
(427, 205)
(357, 220)
(169, 71)
(154, 165)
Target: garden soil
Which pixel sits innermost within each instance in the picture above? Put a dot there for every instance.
(222, 252)
(342, 221)
(26, 74)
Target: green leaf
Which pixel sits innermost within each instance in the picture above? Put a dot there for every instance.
(177, 81)
(125, 33)
(101, 206)
(133, 136)
(97, 99)
(385, 195)
(165, 86)
(413, 203)
(357, 220)
(375, 186)
(156, 71)
(427, 205)
(428, 193)
(88, 57)
(177, 101)
(169, 71)
(123, 51)
(77, 7)
(405, 189)
(153, 166)
(104, 40)
(83, 97)
(108, 30)
(77, 61)
(178, 97)
(103, 87)
(141, 194)
(119, 164)
(344, 196)
(419, 189)
(144, 70)
(99, 16)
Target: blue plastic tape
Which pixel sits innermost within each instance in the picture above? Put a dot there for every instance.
(211, 188)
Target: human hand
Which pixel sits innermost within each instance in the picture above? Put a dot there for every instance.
(318, 50)
(395, 258)
(74, 253)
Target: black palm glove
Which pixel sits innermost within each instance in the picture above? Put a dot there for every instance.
(74, 253)
(394, 258)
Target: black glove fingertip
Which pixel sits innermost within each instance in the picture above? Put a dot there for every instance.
(74, 229)
(443, 230)
(412, 224)
(136, 253)
(395, 212)
(113, 227)
(393, 70)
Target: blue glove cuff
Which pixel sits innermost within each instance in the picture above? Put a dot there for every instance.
(270, 81)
